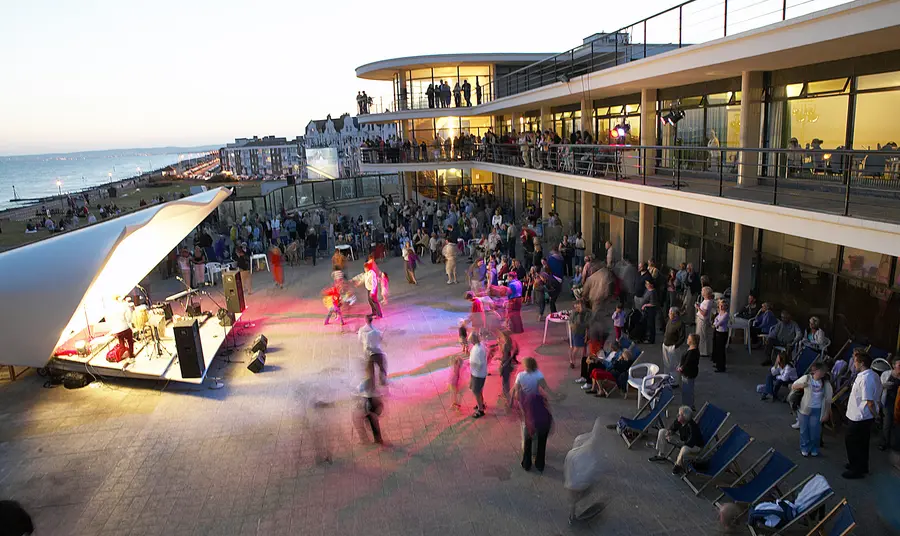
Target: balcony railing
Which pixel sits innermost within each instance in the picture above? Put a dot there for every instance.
(688, 23)
(864, 184)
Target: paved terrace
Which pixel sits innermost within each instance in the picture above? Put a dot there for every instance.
(138, 458)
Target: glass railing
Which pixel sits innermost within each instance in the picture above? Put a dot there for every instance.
(688, 23)
(863, 184)
(310, 195)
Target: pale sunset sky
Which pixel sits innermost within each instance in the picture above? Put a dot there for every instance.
(103, 74)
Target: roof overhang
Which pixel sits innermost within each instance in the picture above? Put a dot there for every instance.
(385, 69)
(57, 287)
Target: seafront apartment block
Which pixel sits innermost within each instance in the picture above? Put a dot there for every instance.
(755, 139)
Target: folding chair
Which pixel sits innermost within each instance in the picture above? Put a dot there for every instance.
(777, 468)
(639, 425)
(710, 419)
(806, 358)
(808, 517)
(718, 458)
(843, 521)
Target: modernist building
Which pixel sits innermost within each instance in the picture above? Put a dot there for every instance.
(345, 135)
(263, 157)
(704, 173)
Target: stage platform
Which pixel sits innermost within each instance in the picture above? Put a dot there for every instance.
(148, 364)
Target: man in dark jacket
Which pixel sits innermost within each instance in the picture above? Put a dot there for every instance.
(684, 432)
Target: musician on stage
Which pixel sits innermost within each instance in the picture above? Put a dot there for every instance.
(118, 319)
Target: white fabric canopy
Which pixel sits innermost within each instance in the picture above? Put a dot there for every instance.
(56, 287)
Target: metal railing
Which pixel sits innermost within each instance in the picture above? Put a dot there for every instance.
(311, 194)
(688, 23)
(863, 184)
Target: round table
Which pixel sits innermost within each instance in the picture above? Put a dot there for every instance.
(552, 317)
(346, 247)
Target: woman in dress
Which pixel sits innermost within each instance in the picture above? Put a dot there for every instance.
(198, 263)
(276, 261)
(184, 266)
(705, 311)
(410, 258)
(720, 338)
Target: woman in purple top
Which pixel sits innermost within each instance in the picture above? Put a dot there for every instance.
(720, 339)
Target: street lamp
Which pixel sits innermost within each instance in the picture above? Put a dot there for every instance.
(59, 186)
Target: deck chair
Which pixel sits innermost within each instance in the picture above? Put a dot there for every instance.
(807, 518)
(654, 415)
(718, 459)
(711, 419)
(805, 358)
(772, 472)
(842, 521)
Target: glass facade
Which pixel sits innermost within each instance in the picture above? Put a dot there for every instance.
(706, 243)
(448, 127)
(607, 118)
(414, 90)
(446, 185)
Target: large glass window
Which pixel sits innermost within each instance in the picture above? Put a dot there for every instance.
(866, 265)
(717, 264)
(872, 129)
(802, 290)
(866, 312)
(802, 250)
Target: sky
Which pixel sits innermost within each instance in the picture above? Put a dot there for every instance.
(104, 74)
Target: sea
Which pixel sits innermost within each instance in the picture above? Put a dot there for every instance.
(36, 176)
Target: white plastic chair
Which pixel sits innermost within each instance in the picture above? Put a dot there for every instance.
(257, 259)
(880, 365)
(636, 375)
(213, 269)
(646, 382)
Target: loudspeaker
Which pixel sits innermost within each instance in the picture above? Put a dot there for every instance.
(194, 309)
(260, 344)
(234, 291)
(225, 318)
(291, 181)
(189, 349)
(112, 191)
(259, 361)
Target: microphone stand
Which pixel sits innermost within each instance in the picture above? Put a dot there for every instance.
(227, 351)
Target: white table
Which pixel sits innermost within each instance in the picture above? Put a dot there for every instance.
(557, 320)
(345, 247)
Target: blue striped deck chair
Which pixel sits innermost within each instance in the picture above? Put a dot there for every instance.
(805, 519)
(718, 459)
(842, 521)
(805, 358)
(761, 482)
(710, 419)
(655, 412)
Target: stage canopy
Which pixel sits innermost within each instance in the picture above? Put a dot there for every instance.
(55, 288)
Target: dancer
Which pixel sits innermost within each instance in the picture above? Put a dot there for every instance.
(410, 258)
(583, 469)
(369, 409)
(478, 369)
(449, 253)
(371, 338)
(370, 279)
(456, 362)
(509, 351)
(333, 300)
(276, 260)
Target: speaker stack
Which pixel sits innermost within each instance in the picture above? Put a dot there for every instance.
(189, 349)
(234, 291)
(260, 344)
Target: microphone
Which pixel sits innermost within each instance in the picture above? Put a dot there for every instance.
(182, 282)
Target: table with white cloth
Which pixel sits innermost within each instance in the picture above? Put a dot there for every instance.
(556, 318)
(343, 248)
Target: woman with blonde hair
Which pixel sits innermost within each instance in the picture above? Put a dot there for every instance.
(706, 309)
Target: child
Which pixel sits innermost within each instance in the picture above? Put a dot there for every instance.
(618, 318)
(332, 300)
(689, 368)
(782, 373)
(456, 362)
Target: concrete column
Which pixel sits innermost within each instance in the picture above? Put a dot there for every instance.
(403, 97)
(648, 127)
(751, 112)
(515, 122)
(741, 266)
(518, 207)
(616, 236)
(587, 221)
(546, 199)
(645, 232)
(587, 116)
(546, 119)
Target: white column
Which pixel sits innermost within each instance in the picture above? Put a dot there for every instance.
(517, 198)
(587, 116)
(515, 122)
(546, 199)
(616, 236)
(645, 232)
(546, 118)
(648, 127)
(403, 97)
(741, 266)
(751, 112)
(587, 221)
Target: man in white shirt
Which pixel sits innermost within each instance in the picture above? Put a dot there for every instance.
(371, 338)
(118, 320)
(861, 411)
(478, 368)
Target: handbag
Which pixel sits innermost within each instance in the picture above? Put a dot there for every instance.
(795, 398)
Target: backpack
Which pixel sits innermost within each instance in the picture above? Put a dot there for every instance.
(116, 353)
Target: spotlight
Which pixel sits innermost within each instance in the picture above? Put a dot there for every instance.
(258, 363)
(260, 344)
(673, 117)
(563, 78)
